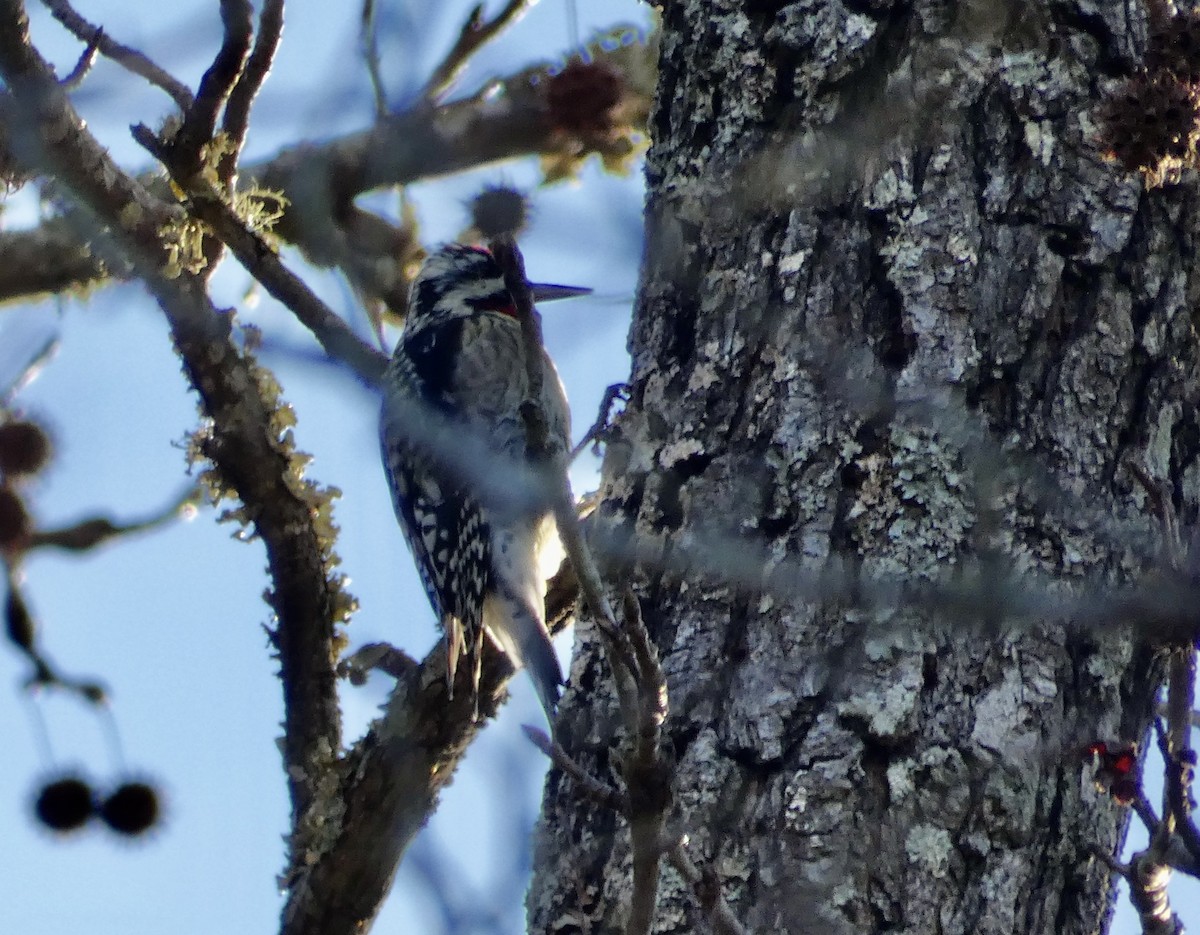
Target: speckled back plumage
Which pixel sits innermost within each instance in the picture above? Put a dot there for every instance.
(451, 419)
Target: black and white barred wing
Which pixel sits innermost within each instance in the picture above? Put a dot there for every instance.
(442, 524)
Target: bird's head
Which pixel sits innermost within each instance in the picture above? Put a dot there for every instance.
(458, 281)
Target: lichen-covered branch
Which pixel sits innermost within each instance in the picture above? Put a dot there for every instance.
(320, 180)
(200, 119)
(247, 440)
(390, 783)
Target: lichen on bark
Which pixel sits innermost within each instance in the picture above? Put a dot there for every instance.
(900, 330)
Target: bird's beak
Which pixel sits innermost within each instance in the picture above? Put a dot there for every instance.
(547, 292)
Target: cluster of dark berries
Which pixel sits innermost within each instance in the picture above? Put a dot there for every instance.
(68, 803)
(1151, 122)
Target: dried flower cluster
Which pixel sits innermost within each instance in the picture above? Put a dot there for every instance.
(1151, 122)
(498, 211)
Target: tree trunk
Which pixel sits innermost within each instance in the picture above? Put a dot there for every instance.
(901, 330)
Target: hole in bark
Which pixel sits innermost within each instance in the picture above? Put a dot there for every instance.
(929, 672)
(670, 503)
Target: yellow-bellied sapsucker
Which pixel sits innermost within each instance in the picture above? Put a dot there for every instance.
(454, 446)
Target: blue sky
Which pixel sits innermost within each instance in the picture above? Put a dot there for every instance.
(172, 620)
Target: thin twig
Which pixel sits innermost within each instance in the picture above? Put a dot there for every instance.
(509, 258)
(236, 119)
(370, 45)
(382, 656)
(130, 59)
(475, 33)
(591, 788)
(200, 120)
(84, 65)
(1160, 498)
(1178, 754)
(706, 888)
(89, 533)
(648, 777)
(1145, 811)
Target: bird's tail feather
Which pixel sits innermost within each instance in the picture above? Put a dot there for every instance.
(523, 637)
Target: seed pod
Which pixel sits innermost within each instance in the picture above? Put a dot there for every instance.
(132, 809)
(65, 804)
(24, 448)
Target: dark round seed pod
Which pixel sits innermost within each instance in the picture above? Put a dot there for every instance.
(66, 804)
(24, 448)
(498, 211)
(132, 809)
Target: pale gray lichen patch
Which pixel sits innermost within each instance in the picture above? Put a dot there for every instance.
(929, 848)
(889, 702)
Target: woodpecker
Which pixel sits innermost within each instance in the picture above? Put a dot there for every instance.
(453, 438)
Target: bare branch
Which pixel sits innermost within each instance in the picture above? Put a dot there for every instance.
(706, 888)
(1178, 754)
(370, 44)
(589, 786)
(475, 33)
(200, 120)
(130, 59)
(89, 533)
(249, 453)
(382, 656)
(648, 776)
(262, 262)
(391, 783)
(86, 60)
(236, 119)
(320, 182)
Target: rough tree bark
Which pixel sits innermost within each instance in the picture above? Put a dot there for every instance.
(901, 330)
